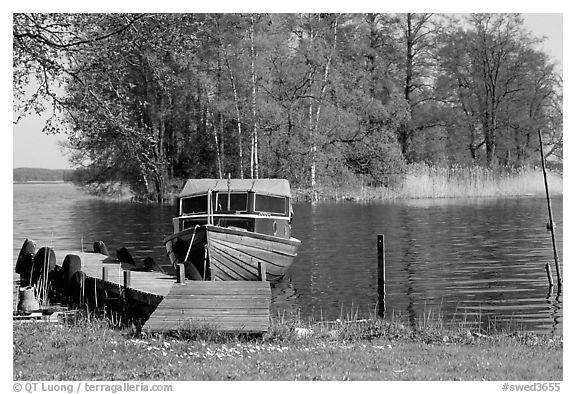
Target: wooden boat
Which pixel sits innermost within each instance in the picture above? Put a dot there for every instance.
(227, 229)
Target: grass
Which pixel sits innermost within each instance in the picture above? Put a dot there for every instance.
(367, 349)
(424, 181)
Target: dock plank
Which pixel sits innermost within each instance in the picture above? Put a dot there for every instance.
(255, 303)
(255, 325)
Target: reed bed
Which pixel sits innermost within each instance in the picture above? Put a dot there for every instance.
(424, 181)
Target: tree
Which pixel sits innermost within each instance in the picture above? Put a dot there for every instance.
(315, 98)
(254, 136)
(419, 34)
(123, 113)
(538, 105)
(45, 53)
(488, 70)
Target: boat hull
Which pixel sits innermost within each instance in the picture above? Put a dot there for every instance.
(233, 254)
(194, 257)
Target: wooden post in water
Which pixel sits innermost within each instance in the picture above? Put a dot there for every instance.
(550, 281)
(557, 266)
(381, 275)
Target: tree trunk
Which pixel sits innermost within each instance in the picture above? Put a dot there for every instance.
(404, 129)
(217, 143)
(490, 138)
(254, 153)
(238, 118)
(315, 123)
(218, 125)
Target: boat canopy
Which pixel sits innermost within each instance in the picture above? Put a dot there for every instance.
(277, 187)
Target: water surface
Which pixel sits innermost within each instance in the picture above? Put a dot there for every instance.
(454, 259)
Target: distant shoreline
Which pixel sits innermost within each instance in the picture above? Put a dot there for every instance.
(36, 182)
(41, 175)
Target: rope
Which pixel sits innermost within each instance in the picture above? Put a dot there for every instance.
(191, 242)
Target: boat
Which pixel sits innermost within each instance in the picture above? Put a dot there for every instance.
(232, 229)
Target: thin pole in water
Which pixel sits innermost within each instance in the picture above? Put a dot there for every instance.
(381, 275)
(558, 274)
(550, 281)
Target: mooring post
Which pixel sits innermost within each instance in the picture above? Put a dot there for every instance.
(105, 273)
(381, 275)
(82, 287)
(262, 271)
(550, 281)
(557, 265)
(180, 274)
(127, 278)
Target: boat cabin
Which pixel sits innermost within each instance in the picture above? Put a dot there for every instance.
(258, 205)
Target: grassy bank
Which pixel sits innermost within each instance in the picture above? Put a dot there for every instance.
(359, 350)
(422, 181)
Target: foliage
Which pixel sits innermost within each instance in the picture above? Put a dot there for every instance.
(503, 88)
(315, 98)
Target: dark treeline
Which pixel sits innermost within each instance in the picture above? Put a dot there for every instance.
(42, 175)
(316, 98)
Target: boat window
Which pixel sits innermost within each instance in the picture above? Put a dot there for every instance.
(238, 202)
(271, 204)
(245, 224)
(188, 223)
(196, 204)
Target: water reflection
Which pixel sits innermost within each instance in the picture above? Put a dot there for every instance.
(461, 260)
(554, 323)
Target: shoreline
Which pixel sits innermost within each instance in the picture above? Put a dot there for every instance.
(370, 349)
(306, 195)
(421, 182)
(38, 182)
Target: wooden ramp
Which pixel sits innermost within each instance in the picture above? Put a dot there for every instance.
(109, 269)
(225, 306)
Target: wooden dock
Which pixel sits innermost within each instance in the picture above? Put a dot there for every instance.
(166, 302)
(226, 306)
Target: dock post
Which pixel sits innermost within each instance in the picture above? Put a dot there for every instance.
(82, 287)
(381, 275)
(180, 274)
(126, 279)
(124, 292)
(105, 273)
(262, 271)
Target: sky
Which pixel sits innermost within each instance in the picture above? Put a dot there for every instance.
(33, 148)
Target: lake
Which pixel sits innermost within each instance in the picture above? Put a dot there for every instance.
(459, 260)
